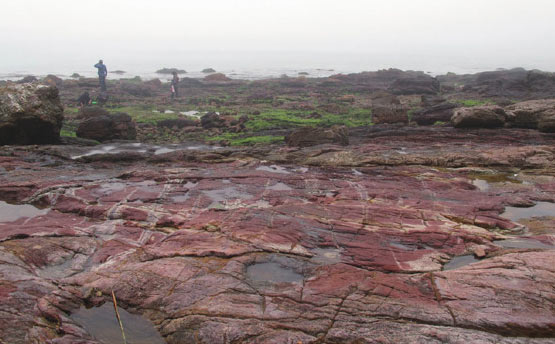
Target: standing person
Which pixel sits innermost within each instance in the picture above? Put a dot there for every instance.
(174, 85)
(102, 72)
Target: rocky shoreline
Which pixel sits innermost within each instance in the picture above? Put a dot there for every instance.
(388, 232)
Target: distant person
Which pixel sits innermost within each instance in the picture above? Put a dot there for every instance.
(174, 85)
(84, 99)
(102, 73)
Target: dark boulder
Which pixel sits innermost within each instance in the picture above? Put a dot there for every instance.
(309, 136)
(190, 82)
(91, 111)
(390, 114)
(421, 84)
(53, 80)
(382, 98)
(514, 83)
(137, 89)
(176, 123)
(212, 120)
(209, 70)
(393, 80)
(156, 83)
(492, 116)
(30, 114)
(216, 77)
(170, 71)
(118, 126)
(27, 79)
(436, 113)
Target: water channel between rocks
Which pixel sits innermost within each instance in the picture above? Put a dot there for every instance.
(100, 322)
(540, 209)
(460, 261)
(13, 212)
(272, 272)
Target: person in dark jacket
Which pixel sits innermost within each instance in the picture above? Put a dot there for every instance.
(84, 99)
(102, 72)
(174, 85)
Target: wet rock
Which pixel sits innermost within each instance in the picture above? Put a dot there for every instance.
(30, 114)
(384, 99)
(212, 120)
(189, 82)
(136, 89)
(535, 114)
(108, 127)
(441, 112)
(27, 79)
(479, 117)
(422, 84)
(216, 77)
(91, 111)
(53, 80)
(513, 83)
(156, 83)
(308, 136)
(170, 71)
(208, 70)
(389, 114)
(177, 123)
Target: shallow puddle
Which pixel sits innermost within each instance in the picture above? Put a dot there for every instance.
(142, 148)
(164, 150)
(279, 187)
(13, 212)
(459, 262)
(100, 322)
(273, 168)
(272, 272)
(226, 194)
(523, 243)
(539, 210)
(482, 185)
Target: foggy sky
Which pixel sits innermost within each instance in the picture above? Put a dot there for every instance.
(491, 29)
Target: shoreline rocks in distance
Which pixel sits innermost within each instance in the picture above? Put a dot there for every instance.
(171, 70)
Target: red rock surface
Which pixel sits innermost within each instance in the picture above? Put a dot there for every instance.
(244, 251)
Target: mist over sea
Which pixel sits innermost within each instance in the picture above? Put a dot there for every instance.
(253, 65)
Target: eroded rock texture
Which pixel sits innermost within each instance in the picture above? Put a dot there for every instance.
(30, 114)
(315, 245)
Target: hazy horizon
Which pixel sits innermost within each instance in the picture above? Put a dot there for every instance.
(140, 36)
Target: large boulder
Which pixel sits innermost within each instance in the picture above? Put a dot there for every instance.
(309, 136)
(390, 114)
(492, 116)
(216, 77)
(30, 114)
(27, 79)
(212, 120)
(53, 80)
(421, 84)
(382, 98)
(176, 123)
(513, 83)
(118, 126)
(436, 113)
(137, 89)
(535, 114)
(92, 111)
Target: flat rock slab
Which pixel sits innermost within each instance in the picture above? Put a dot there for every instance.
(252, 252)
